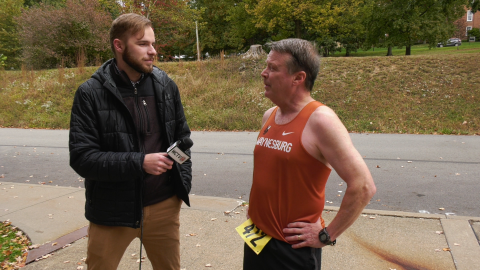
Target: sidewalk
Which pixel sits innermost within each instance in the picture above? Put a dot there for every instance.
(53, 217)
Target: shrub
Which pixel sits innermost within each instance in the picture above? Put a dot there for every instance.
(475, 32)
(52, 36)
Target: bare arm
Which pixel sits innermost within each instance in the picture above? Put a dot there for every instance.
(327, 139)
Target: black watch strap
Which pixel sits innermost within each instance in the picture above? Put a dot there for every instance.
(324, 237)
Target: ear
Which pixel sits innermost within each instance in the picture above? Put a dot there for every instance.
(118, 45)
(299, 78)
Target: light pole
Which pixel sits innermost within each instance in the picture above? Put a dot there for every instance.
(198, 44)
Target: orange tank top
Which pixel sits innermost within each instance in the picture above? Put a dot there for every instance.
(288, 183)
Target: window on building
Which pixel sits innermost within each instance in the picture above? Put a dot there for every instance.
(468, 29)
(469, 16)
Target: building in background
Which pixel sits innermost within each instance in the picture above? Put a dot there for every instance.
(469, 21)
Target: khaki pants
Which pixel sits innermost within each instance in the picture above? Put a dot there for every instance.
(161, 238)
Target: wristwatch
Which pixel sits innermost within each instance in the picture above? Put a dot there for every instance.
(324, 237)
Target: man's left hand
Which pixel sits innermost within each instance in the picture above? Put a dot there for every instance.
(305, 233)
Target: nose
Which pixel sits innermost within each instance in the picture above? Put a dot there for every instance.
(264, 73)
(152, 51)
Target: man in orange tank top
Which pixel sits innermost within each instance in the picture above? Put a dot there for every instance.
(300, 142)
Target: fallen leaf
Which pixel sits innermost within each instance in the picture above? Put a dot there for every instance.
(208, 265)
(446, 249)
(378, 166)
(372, 217)
(213, 219)
(66, 261)
(439, 232)
(54, 244)
(456, 244)
(197, 245)
(441, 208)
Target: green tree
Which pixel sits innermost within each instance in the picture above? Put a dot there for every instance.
(9, 44)
(337, 25)
(242, 30)
(284, 18)
(403, 23)
(333, 25)
(111, 6)
(173, 21)
(55, 3)
(474, 5)
(2, 60)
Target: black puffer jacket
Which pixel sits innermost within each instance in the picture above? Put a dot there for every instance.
(105, 150)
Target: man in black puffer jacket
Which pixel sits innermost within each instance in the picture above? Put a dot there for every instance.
(123, 120)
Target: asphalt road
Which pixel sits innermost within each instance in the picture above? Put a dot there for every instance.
(413, 173)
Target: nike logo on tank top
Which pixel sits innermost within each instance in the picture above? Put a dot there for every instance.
(288, 183)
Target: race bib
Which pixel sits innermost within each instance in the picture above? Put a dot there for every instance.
(255, 238)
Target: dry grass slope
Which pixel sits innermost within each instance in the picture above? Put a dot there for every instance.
(419, 94)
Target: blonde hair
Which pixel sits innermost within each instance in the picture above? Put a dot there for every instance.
(126, 25)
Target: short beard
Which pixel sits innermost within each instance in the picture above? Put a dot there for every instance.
(135, 64)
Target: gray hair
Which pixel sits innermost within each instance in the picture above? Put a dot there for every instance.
(304, 57)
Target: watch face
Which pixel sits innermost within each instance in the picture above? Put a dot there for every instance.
(323, 237)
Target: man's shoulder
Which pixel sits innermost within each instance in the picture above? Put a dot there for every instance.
(267, 114)
(91, 85)
(160, 76)
(324, 118)
(96, 81)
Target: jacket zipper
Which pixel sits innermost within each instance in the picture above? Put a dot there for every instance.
(146, 114)
(142, 149)
(141, 120)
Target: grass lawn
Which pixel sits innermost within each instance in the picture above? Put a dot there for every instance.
(422, 49)
(13, 247)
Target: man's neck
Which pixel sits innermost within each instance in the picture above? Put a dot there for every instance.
(294, 104)
(291, 108)
(132, 74)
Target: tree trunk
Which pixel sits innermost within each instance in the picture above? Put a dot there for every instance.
(255, 51)
(298, 29)
(408, 51)
(389, 53)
